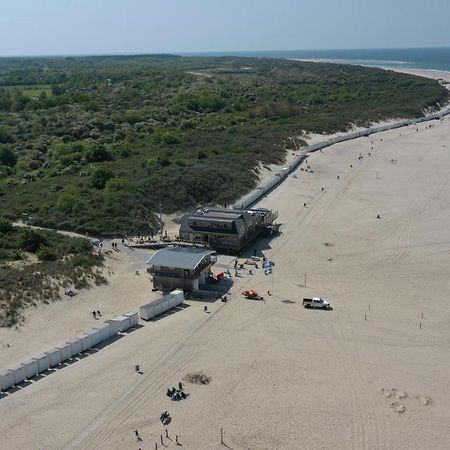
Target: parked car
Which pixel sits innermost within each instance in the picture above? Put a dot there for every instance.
(316, 303)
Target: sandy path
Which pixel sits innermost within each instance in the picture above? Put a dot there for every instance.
(282, 376)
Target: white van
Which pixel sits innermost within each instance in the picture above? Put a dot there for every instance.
(316, 302)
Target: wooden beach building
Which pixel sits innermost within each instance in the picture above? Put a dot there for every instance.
(229, 230)
(185, 268)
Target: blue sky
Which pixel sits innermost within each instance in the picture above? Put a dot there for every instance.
(48, 27)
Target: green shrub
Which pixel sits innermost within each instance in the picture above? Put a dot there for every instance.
(30, 240)
(98, 153)
(100, 176)
(66, 202)
(46, 254)
(5, 226)
(7, 156)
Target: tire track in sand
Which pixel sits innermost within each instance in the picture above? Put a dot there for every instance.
(117, 413)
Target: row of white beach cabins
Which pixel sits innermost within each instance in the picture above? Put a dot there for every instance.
(94, 336)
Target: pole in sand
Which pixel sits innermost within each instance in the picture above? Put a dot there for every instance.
(305, 280)
(221, 435)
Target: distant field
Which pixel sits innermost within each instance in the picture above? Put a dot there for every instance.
(34, 90)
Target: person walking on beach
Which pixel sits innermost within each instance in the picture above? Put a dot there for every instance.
(94, 314)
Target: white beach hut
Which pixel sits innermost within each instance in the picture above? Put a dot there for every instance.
(65, 350)
(43, 362)
(31, 368)
(75, 346)
(106, 330)
(122, 322)
(161, 305)
(134, 318)
(69, 348)
(86, 341)
(20, 373)
(6, 379)
(95, 335)
(54, 356)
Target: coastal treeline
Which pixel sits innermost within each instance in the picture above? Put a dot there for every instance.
(99, 144)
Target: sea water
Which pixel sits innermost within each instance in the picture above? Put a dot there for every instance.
(417, 58)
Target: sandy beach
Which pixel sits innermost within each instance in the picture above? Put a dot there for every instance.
(370, 374)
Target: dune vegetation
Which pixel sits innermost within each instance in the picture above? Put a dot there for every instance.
(99, 144)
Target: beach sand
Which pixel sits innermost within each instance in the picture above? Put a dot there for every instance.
(372, 373)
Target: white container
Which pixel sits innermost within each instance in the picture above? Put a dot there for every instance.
(114, 326)
(75, 346)
(31, 368)
(6, 379)
(96, 336)
(54, 356)
(161, 305)
(43, 361)
(134, 318)
(106, 330)
(65, 350)
(20, 373)
(123, 323)
(147, 311)
(86, 341)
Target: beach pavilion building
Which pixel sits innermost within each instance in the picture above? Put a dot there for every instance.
(185, 268)
(228, 230)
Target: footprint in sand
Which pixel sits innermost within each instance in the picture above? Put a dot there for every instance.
(386, 392)
(398, 407)
(401, 395)
(424, 400)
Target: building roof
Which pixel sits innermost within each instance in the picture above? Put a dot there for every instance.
(179, 257)
(219, 213)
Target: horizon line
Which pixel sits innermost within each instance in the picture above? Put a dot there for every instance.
(200, 52)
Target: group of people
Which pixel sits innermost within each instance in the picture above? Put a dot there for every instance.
(96, 314)
(177, 394)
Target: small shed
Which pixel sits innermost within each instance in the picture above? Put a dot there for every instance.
(86, 341)
(122, 323)
(65, 349)
(20, 373)
(6, 379)
(161, 305)
(106, 331)
(31, 368)
(134, 318)
(75, 346)
(43, 362)
(54, 356)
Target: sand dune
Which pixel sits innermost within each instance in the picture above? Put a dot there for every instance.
(371, 373)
